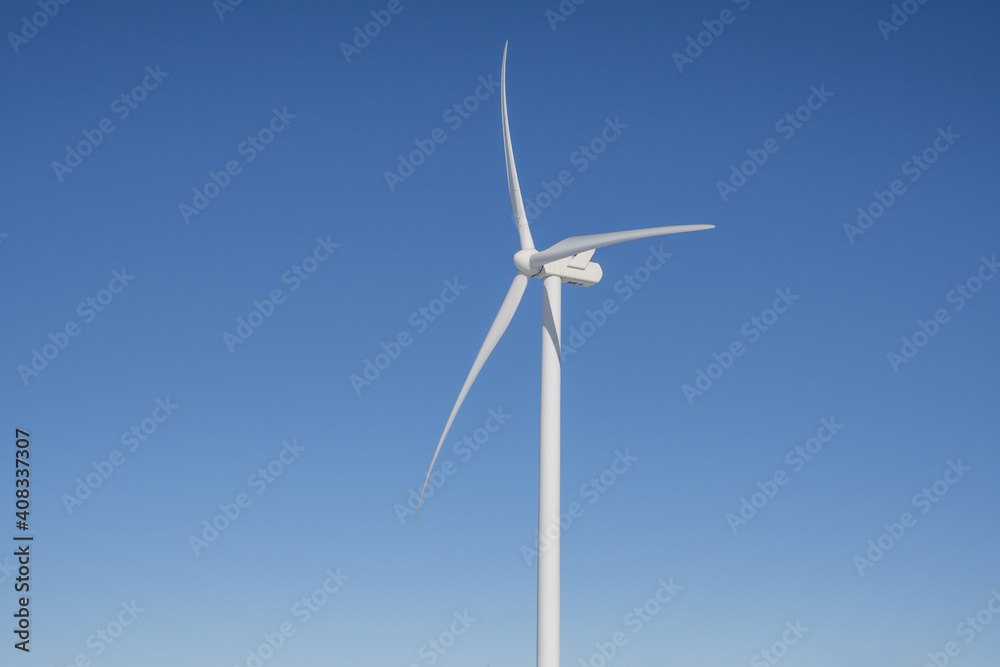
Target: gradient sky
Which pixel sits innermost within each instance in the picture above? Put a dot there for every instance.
(311, 213)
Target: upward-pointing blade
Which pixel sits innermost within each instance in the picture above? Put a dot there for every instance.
(503, 318)
(515, 190)
(577, 244)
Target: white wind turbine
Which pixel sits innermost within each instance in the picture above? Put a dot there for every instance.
(567, 261)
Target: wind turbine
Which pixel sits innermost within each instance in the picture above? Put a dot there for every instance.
(567, 261)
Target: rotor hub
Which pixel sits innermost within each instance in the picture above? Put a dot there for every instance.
(523, 264)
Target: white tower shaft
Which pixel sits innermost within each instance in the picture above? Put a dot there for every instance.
(548, 478)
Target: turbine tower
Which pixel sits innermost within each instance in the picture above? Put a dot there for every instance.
(565, 262)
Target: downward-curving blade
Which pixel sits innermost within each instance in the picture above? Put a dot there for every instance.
(577, 244)
(515, 190)
(503, 318)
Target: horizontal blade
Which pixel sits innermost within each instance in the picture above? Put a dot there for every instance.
(577, 244)
(503, 318)
(520, 219)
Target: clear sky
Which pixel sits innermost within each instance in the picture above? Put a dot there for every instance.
(216, 214)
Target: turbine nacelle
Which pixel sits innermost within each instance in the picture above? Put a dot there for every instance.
(576, 269)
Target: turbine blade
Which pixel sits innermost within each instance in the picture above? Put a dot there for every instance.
(577, 244)
(520, 219)
(503, 318)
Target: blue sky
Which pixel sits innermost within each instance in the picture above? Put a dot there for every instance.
(244, 172)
